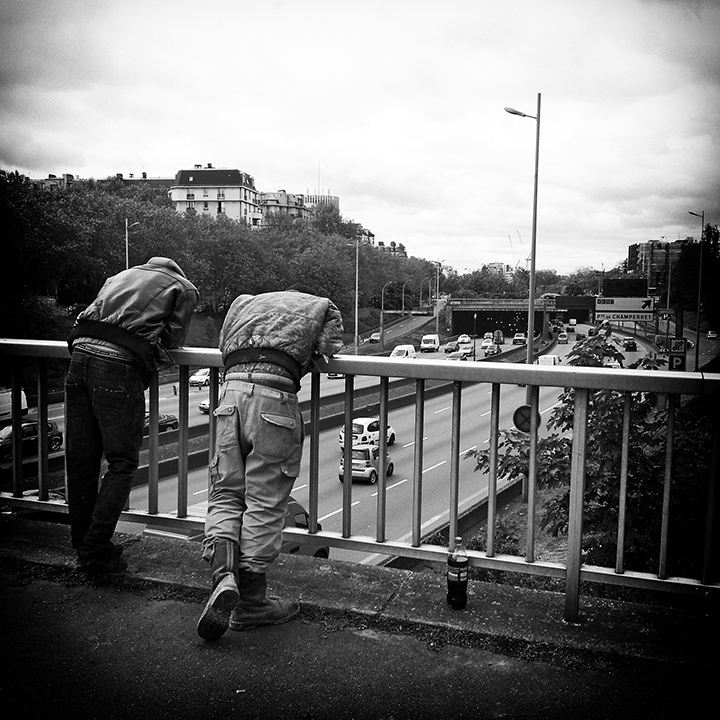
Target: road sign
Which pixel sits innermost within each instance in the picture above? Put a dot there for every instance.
(621, 309)
(676, 362)
(522, 417)
(678, 346)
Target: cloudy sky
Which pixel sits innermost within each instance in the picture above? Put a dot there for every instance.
(396, 106)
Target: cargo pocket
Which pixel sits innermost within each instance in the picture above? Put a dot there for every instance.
(282, 441)
(227, 433)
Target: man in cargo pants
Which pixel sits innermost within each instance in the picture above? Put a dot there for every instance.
(267, 342)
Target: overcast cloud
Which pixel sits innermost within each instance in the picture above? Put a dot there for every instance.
(396, 106)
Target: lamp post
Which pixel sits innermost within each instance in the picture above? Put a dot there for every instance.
(357, 276)
(531, 298)
(697, 322)
(437, 294)
(403, 297)
(382, 315)
(127, 242)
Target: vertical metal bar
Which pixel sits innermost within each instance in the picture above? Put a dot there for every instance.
(492, 479)
(16, 419)
(622, 508)
(382, 465)
(455, 458)
(418, 463)
(183, 444)
(347, 456)
(213, 395)
(662, 564)
(153, 446)
(710, 515)
(577, 492)
(43, 443)
(534, 392)
(313, 481)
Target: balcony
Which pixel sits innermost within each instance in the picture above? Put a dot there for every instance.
(421, 380)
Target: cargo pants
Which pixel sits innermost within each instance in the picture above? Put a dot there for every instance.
(258, 450)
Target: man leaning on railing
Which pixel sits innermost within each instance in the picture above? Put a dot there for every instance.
(116, 345)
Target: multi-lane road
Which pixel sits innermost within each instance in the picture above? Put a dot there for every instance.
(474, 433)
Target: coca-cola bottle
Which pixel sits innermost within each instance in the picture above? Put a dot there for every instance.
(457, 575)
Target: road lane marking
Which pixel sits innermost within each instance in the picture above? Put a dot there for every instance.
(410, 444)
(339, 510)
(390, 487)
(443, 409)
(200, 492)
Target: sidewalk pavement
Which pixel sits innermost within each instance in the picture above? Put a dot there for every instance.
(371, 643)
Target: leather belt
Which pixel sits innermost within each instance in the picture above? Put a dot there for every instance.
(276, 382)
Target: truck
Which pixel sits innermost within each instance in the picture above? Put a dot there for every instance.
(498, 337)
(430, 343)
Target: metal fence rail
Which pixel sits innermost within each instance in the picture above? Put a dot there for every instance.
(22, 353)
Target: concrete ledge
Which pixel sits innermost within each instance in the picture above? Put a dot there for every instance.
(499, 618)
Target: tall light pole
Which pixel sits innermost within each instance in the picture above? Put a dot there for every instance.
(357, 276)
(127, 242)
(437, 294)
(697, 322)
(382, 315)
(531, 297)
(403, 297)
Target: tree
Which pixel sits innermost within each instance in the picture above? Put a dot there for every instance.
(646, 467)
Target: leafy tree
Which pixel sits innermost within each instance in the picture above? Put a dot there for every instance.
(646, 468)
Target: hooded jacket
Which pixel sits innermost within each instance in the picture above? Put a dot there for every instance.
(294, 323)
(145, 309)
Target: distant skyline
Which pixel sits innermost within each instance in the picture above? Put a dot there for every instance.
(394, 106)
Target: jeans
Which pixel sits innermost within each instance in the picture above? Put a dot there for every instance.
(258, 450)
(105, 415)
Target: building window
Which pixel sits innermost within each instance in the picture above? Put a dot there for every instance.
(191, 206)
(190, 196)
(205, 192)
(206, 206)
(221, 194)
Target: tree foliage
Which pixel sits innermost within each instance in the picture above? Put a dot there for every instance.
(646, 468)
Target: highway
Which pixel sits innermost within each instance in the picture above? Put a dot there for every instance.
(474, 433)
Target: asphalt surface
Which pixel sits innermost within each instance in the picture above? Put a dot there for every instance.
(370, 643)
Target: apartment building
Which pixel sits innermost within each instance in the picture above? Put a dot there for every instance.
(216, 191)
(283, 203)
(655, 260)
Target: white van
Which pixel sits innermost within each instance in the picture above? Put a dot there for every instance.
(430, 343)
(403, 351)
(6, 405)
(549, 360)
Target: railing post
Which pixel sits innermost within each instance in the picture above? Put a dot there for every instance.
(534, 393)
(183, 444)
(492, 479)
(347, 455)
(313, 489)
(665, 526)
(575, 519)
(622, 508)
(418, 463)
(455, 460)
(43, 443)
(153, 445)
(380, 519)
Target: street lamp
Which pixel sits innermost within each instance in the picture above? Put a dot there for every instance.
(531, 298)
(382, 315)
(403, 297)
(127, 244)
(697, 322)
(357, 275)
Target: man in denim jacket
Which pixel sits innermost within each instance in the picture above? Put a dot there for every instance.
(267, 342)
(116, 344)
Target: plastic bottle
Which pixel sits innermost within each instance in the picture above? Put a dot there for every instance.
(457, 576)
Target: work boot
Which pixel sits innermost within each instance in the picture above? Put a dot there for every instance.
(254, 608)
(215, 617)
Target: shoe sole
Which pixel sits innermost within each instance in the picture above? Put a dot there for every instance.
(215, 618)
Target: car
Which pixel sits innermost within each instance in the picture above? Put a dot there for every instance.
(297, 516)
(468, 348)
(549, 360)
(165, 422)
(488, 336)
(451, 346)
(403, 352)
(711, 335)
(366, 431)
(612, 364)
(486, 343)
(375, 338)
(519, 339)
(29, 432)
(457, 356)
(204, 406)
(200, 377)
(629, 344)
(464, 339)
(365, 461)
(562, 338)
(492, 350)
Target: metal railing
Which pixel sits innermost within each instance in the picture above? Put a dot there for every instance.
(423, 374)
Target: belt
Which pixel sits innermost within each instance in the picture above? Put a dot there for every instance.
(277, 382)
